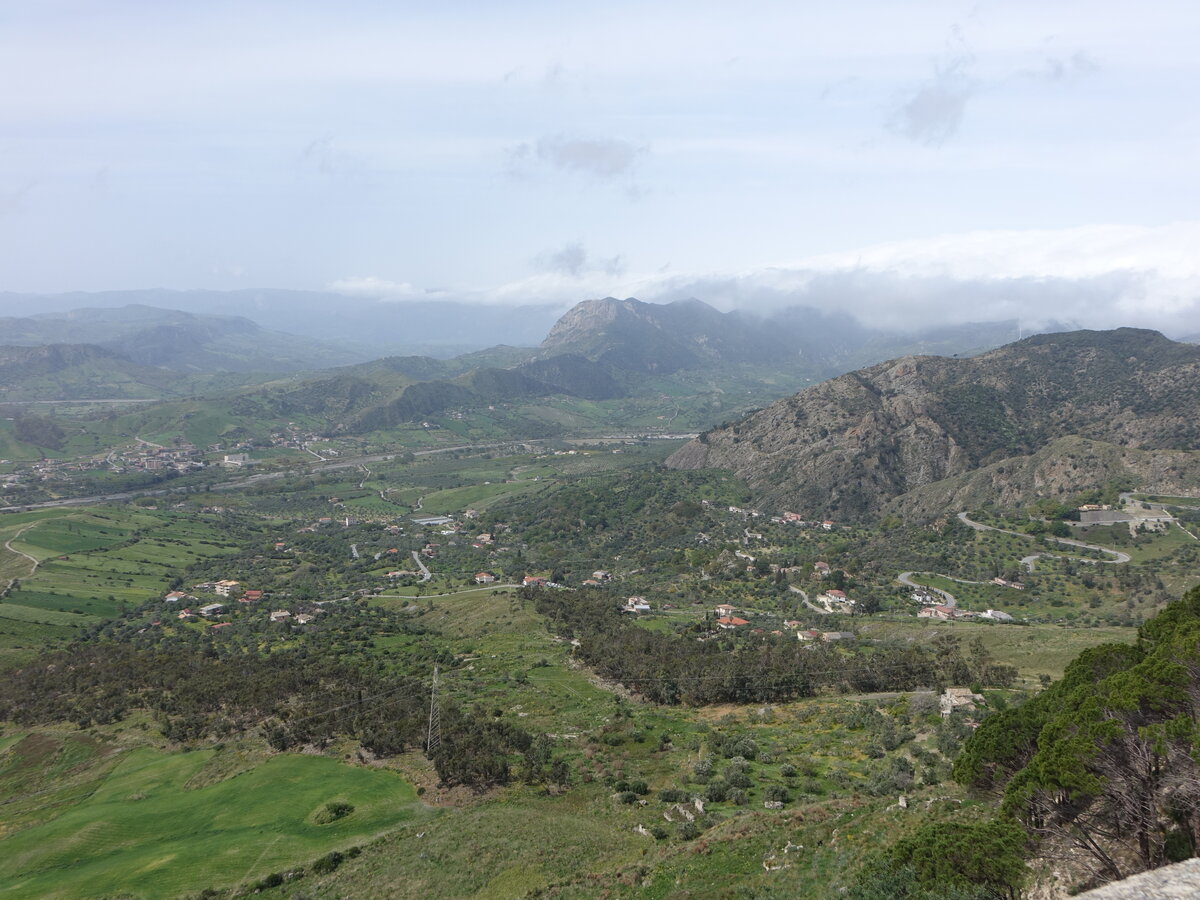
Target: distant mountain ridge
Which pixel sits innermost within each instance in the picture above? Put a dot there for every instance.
(849, 446)
(171, 338)
(653, 338)
(368, 326)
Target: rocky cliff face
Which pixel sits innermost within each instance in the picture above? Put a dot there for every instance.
(846, 447)
(661, 338)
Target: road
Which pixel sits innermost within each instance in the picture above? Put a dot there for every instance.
(1028, 561)
(11, 549)
(241, 482)
(905, 578)
(804, 599)
(425, 573)
(307, 470)
(490, 587)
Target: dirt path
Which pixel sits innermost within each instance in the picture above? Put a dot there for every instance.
(11, 549)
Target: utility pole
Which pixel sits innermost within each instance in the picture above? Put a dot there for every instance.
(433, 736)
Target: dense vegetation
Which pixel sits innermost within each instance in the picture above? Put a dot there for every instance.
(293, 690)
(1106, 760)
(668, 668)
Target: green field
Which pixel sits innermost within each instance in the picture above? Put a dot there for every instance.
(1034, 649)
(93, 562)
(142, 832)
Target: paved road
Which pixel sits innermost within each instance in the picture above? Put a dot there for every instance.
(306, 470)
(951, 600)
(490, 587)
(1028, 561)
(425, 573)
(804, 599)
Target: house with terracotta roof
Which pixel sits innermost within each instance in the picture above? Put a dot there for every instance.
(731, 622)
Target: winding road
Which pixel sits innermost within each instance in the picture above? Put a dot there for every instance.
(1028, 561)
(804, 599)
(425, 573)
(905, 578)
(11, 549)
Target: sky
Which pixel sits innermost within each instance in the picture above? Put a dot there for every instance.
(914, 163)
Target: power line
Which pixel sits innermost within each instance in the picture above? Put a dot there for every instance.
(433, 737)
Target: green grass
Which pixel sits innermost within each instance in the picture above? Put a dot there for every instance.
(478, 496)
(142, 833)
(92, 563)
(1033, 649)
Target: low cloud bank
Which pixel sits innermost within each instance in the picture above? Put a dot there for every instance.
(1092, 277)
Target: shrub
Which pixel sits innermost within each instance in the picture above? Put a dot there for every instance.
(716, 791)
(327, 863)
(738, 779)
(777, 793)
(334, 810)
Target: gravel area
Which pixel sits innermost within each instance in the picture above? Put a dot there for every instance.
(1178, 882)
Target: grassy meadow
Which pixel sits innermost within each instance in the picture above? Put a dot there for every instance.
(143, 828)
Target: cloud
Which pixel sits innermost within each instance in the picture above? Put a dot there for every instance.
(380, 288)
(329, 160)
(601, 159)
(572, 259)
(13, 201)
(933, 113)
(1069, 68)
(1099, 276)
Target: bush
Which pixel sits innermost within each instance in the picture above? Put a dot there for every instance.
(334, 810)
(738, 779)
(745, 748)
(787, 770)
(777, 793)
(717, 791)
(672, 795)
(627, 797)
(327, 863)
(688, 831)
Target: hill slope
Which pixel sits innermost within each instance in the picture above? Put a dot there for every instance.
(847, 446)
(79, 372)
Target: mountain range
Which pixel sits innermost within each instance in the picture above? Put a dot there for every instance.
(1048, 414)
(175, 340)
(633, 336)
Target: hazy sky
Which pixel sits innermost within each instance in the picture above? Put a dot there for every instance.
(912, 160)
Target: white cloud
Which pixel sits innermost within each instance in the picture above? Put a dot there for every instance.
(574, 260)
(1101, 276)
(600, 159)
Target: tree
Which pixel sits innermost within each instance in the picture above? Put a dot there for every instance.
(1105, 760)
